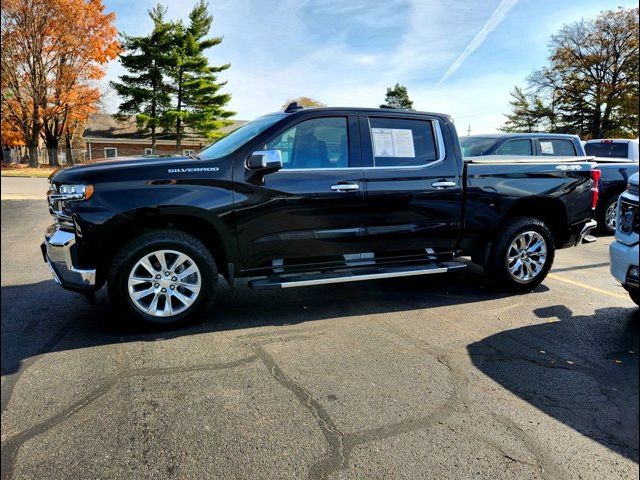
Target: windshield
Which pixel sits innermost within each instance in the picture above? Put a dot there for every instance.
(607, 149)
(476, 146)
(239, 137)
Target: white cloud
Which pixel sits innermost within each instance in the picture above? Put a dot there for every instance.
(366, 59)
(496, 17)
(346, 53)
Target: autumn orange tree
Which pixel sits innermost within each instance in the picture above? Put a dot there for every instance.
(53, 51)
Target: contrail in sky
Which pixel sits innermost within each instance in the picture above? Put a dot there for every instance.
(496, 17)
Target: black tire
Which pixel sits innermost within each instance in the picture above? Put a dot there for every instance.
(146, 243)
(601, 214)
(635, 296)
(497, 269)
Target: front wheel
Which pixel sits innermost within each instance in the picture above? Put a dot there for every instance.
(521, 255)
(162, 277)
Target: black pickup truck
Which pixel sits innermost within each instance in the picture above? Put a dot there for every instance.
(306, 197)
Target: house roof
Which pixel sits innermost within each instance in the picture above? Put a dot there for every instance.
(105, 126)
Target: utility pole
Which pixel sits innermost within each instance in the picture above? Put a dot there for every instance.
(469, 130)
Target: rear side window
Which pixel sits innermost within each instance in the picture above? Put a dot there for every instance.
(608, 149)
(476, 146)
(557, 147)
(402, 142)
(515, 147)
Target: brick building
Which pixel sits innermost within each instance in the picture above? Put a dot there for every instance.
(106, 137)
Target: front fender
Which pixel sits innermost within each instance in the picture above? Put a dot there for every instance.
(114, 215)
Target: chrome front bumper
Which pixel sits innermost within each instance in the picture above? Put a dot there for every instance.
(57, 252)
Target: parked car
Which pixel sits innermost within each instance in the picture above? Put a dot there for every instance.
(623, 251)
(618, 160)
(612, 148)
(524, 144)
(613, 180)
(308, 197)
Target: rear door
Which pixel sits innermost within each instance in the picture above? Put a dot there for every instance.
(309, 213)
(413, 197)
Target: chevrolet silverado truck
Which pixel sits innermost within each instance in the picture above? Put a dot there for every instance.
(307, 197)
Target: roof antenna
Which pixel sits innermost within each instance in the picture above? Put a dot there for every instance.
(292, 107)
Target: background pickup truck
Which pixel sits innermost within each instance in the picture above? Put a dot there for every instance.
(618, 160)
(305, 197)
(618, 149)
(523, 144)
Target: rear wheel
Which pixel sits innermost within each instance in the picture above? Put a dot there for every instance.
(162, 277)
(606, 215)
(522, 255)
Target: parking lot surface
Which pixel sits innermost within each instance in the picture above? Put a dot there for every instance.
(428, 377)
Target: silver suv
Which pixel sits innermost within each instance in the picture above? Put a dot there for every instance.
(623, 252)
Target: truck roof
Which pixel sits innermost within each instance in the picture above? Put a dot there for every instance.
(444, 116)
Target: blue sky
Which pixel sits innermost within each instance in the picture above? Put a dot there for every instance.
(458, 57)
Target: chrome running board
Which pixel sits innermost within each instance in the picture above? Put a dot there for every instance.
(356, 275)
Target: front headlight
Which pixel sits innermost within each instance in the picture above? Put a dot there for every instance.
(71, 191)
(59, 197)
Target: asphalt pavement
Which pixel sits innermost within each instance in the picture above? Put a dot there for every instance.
(428, 377)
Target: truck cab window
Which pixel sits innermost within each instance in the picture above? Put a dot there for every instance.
(315, 143)
(557, 147)
(515, 147)
(402, 142)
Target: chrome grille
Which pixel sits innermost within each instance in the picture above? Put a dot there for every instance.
(56, 206)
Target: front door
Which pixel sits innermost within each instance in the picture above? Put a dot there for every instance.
(413, 191)
(309, 213)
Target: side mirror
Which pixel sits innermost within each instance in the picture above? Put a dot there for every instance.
(265, 161)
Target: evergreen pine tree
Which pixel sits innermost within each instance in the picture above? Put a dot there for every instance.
(397, 97)
(144, 90)
(198, 101)
(528, 114)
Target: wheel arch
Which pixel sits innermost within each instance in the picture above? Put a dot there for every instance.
(208, 228)
(552, 211)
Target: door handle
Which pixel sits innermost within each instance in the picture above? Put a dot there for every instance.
(443, 184)
(345, 187)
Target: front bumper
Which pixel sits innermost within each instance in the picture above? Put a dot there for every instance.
(57, 251)
(621, 258)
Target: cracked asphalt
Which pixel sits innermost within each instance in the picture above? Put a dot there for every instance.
(430, 377)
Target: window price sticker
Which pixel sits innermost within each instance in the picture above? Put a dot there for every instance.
(393, 142)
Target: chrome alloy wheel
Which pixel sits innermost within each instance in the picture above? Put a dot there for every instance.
(610, 216)
(526, 256)
(164, 283)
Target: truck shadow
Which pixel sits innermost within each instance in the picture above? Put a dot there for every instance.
(582, 370)
(577, 380)
(42, 317)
